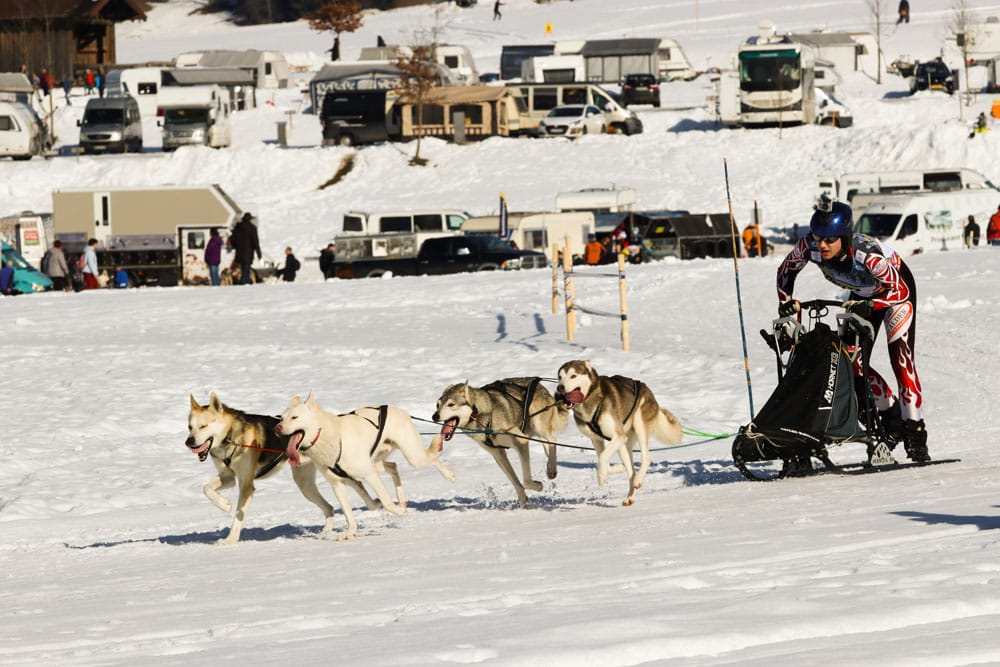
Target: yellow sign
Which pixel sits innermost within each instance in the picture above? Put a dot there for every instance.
(548, 28)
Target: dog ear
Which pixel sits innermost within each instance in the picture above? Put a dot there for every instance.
(295, 401)
(465, 392)
(195, 405)
(590, 369)
(214, 402)
(310, 400)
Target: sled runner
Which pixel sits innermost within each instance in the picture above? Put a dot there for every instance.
(818, 402)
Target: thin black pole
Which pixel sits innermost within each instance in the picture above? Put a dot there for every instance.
(739, 297)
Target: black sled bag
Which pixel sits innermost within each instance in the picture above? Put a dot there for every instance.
(814, 402)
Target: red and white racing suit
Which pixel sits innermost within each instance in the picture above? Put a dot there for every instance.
(873, 272)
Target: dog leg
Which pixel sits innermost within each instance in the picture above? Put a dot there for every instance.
(246, 495)
(340, 491)
(409, 442)
(500, 456)
(375, 482)
(212, 488)
(393, 470)
(359, 488)
(525, 456)
(550, 455)
(640, 436)
(305, 477)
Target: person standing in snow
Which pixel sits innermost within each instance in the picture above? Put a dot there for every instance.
(496, 11)
(993, 231)
(327, 256)
(245, 242)
(291, 267)
(55, 267)
(883, 292)
(67, 84)
(971, 232)
(904, 12)
(213, 256)
(90, 270)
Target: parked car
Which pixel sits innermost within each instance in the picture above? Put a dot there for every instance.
(640, 89)
(572, 120)
(933, 75)
(829, 111)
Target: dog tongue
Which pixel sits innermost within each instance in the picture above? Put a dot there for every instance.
(293, 449)
(575, 396)
(448, 428)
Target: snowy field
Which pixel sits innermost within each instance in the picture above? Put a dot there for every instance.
(106, 541)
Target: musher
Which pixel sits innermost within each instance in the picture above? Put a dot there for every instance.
(882, 291)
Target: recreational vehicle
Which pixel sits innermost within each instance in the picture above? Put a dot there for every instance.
(512, 56)
(142, 83)
(776, 80)
(195, 116)
(597, 200)
(22, 135)
(355, 117)
(458, 60)
(489, 111)
(927, 221)
(553, 69)
(673, 63)
(538, 231)
(540, 98)
(408, 222)
(853, 187)
(157, 234)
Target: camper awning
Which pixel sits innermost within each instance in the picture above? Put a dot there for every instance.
(619, 47)
(194, 76)
(15, 82)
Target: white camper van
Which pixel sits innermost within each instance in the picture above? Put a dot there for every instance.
(21, 132)
(847, 187)
(554, 69)
(195, 116)
(458, 60)
(927, 221)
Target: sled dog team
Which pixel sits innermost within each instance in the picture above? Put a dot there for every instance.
(350, 450)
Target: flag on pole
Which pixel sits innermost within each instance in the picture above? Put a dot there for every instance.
(503, 217)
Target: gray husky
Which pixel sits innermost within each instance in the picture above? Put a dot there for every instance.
(503, 415)
(616, 413)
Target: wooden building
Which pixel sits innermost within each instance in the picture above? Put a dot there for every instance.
(62, 35)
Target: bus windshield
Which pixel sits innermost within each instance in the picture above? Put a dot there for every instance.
(770, 70)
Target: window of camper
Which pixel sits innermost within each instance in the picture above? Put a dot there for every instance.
(8, 124)
(196, 240)
(880, 225)
(535, 240)
(455, 222)
(567, 75)
(451, 62)
(943, 181)
(146, 88)
(909, 227)
(427, 222)
(396, 223)
(473, 113)
(353, 223)
(545, 99)
(574, 96)
(433, 114)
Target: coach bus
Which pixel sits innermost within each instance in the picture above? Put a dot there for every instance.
(776, 80)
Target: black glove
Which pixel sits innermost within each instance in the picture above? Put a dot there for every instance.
(788, 308)
(862, 309)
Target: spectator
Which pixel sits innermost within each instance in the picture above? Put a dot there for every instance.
(993, 231)
(90, 270)
(55, 267)
(904, 12)
(89, 82)
(245, 242)
(121, 278)
(67, 84)
(99, 80)
(213, 256)
(635, 248)
(971, 232)
(43, 82)
(593, 252)
(7, 278)
(751, 240)
(496, 10)
(291, 267)
(327, 256)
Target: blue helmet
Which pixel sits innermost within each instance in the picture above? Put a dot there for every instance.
(832, 219)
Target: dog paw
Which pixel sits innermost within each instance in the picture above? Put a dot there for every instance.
(346, 536)
(628, 502)
(602, 480)
(551, 472)
(534, 486)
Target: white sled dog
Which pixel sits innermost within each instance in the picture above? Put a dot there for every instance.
(615, 413)
(352, 447)
(514, 409)
(244, 448)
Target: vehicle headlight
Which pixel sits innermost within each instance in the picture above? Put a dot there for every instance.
(511, 264)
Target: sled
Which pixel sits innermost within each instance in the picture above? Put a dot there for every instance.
(818, 402)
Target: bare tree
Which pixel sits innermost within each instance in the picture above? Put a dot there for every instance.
(879, 12)
(336, 16)
(418, 73)
(960, 23)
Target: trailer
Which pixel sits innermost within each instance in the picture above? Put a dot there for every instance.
(195, 116)
(157, 234)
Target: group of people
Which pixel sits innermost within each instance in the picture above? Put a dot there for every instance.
(245, 244)
(628, 243)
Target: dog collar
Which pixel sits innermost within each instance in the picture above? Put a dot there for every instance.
(318, 433)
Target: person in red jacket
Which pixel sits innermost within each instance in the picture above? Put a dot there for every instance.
(993, 231)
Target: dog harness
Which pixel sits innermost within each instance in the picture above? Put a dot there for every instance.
(268, 466)
(383, 411)
(594, 419)
(500, 387)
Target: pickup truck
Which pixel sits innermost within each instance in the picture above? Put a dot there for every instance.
(445, 254)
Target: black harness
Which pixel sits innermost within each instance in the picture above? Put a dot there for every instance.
(501, 387)
(593, 423)
(383, 411)
(268, 466)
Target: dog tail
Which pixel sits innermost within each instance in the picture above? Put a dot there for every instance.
(668, 428)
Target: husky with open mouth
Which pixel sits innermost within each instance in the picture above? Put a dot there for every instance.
(501, 416)
(616, 413)
(244, 448)
(351, 448)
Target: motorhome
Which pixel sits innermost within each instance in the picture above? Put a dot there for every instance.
(777, 85)
(598, 200)
(30, 233)
(553, 69)
(21, 134)
(538, 231)
(157, 234)
(981, 41)
(142, 83)
(392, 235)
(860, 188)
(195, 116)
(673, 63)
(111, 124)
(458, 60)
(540, 98)
(926, 221)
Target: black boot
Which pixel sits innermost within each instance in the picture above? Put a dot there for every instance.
(892, 426)
(915, 440)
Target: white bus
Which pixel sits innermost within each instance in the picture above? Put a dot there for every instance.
(776, 80)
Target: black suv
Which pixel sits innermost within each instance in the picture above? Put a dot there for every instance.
(934, 75)
(640, 89)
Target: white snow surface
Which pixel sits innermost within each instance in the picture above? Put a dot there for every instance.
(107, 552)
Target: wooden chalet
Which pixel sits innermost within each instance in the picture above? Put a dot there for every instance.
(62, 35)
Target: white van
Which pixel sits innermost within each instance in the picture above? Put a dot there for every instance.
(21, 133)
(540, 98)
(926, 222)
